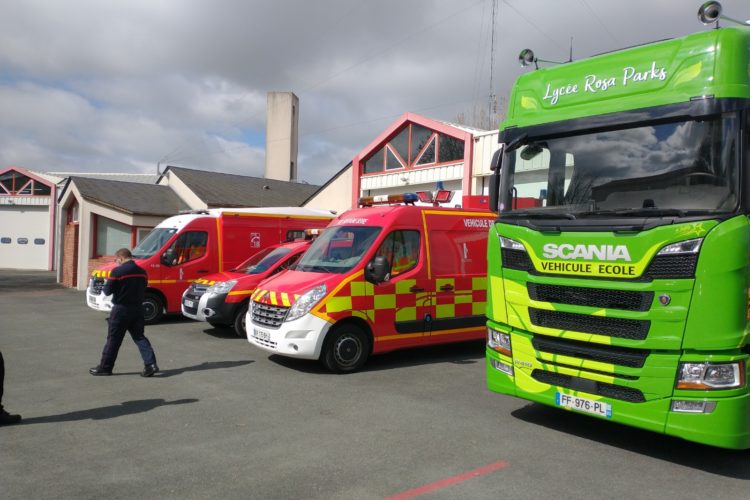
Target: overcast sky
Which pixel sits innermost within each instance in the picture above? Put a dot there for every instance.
(119, 86)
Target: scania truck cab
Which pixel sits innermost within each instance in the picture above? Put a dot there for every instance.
(379, 278)
(620, 290)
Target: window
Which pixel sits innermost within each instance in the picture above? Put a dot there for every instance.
(401, 248)
(15, 183)
(110, 236)
(141, 233)
(39, 241)
(188, 247)
(5, 240)
(295, 234)
(72, 217)
(23, 241)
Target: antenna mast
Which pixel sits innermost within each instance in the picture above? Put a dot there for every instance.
(492, 110)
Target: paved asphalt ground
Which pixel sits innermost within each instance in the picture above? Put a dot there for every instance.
(223, 420)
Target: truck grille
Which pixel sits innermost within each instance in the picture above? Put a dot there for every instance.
(268, 315)
(672, 267)
(592, 387)
(97, 285)
(632, 329)
(592, 297)
(621, 356)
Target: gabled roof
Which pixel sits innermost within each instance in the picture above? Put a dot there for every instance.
(111, 176)
(130, 197)
(328, 183)
(229, 190)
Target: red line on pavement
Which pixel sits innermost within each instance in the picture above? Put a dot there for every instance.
(427, 488)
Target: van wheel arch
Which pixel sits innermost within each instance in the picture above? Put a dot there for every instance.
(154, 306)
(347, 346)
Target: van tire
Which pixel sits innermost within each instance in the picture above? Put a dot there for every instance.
(153, 308)
(346, 349)
(239, 322)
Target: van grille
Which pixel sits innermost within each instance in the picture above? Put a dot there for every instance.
(592, 297)
(268, 315)
(632, 329)
(196, 291)
(621, 356)
(97, 285)
(589, 386)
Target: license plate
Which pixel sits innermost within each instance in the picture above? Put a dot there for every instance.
(92, 300)
(261, 335)
(584, 404)
(188, 303)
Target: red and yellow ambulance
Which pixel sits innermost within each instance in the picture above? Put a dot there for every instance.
(222, 299)
(380, 278)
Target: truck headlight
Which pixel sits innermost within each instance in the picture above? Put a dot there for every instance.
(499, 341)
(306, 302)
(711, 375)
(221, 287)
(510, 244)
(682, 247)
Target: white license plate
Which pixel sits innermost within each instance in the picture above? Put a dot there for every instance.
(261, 335)
(188, 303)
(584, 404)
(92, 299)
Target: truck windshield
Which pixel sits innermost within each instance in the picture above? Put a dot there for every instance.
(153, 242)
(678, 168)
(338, 249)
(262, 261)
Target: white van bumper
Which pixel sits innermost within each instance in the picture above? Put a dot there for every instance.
(98, 302)
(301, 338)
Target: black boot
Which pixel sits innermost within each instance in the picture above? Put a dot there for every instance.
(149, 370)
(8, 419)
(100, 370)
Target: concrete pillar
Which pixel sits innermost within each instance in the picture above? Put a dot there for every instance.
(282, 124)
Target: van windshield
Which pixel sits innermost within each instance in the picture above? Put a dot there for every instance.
(153, 242)
(262, 261)
(338, 250)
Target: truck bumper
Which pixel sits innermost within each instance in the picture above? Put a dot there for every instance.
(210, 307)
(301, 338)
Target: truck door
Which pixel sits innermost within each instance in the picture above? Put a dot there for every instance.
(403, 307)
(458, 264)
(186, 259)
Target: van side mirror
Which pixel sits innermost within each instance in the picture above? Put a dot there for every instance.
(376, 271)
(167, 258)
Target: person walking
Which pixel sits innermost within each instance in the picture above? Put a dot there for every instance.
(5, 417)
(127, 285)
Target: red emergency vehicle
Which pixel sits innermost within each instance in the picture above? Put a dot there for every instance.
(380, 278)
(189, 246)
(222, 299)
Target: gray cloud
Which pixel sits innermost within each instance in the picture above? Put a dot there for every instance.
(89, 86)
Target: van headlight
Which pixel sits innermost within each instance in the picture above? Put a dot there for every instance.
(221, 287)
(306, 302)
(711, 375)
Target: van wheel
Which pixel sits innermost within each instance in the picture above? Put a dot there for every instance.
(346, 349)
(239, 321)
(153, 308)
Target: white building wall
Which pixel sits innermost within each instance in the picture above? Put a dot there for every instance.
(336, 196)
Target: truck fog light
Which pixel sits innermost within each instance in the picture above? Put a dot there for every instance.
(685, 406)
(503, 367)
(499, 341)
(294, 347)
(711, 375)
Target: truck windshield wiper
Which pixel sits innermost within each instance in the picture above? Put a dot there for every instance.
(538, 215)
(640, 212)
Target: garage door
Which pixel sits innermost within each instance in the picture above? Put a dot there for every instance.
(24, 237)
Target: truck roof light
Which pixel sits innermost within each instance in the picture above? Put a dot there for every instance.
(425, 196)
(443, 196)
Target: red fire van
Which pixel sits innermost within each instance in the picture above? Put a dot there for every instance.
(189, 246)
(380, 278)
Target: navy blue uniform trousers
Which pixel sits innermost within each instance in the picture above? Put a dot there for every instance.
(124, 318)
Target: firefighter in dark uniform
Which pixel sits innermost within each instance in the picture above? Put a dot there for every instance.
(127, 285)
(5, 417)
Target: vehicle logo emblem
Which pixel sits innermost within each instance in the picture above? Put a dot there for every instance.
(665, 300)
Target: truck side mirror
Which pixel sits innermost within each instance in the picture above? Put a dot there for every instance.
(495, 166)
(376, 271)
(167, 258)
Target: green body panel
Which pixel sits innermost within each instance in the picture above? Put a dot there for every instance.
(712, 63)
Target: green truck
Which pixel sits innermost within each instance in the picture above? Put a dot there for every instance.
(619, 264)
